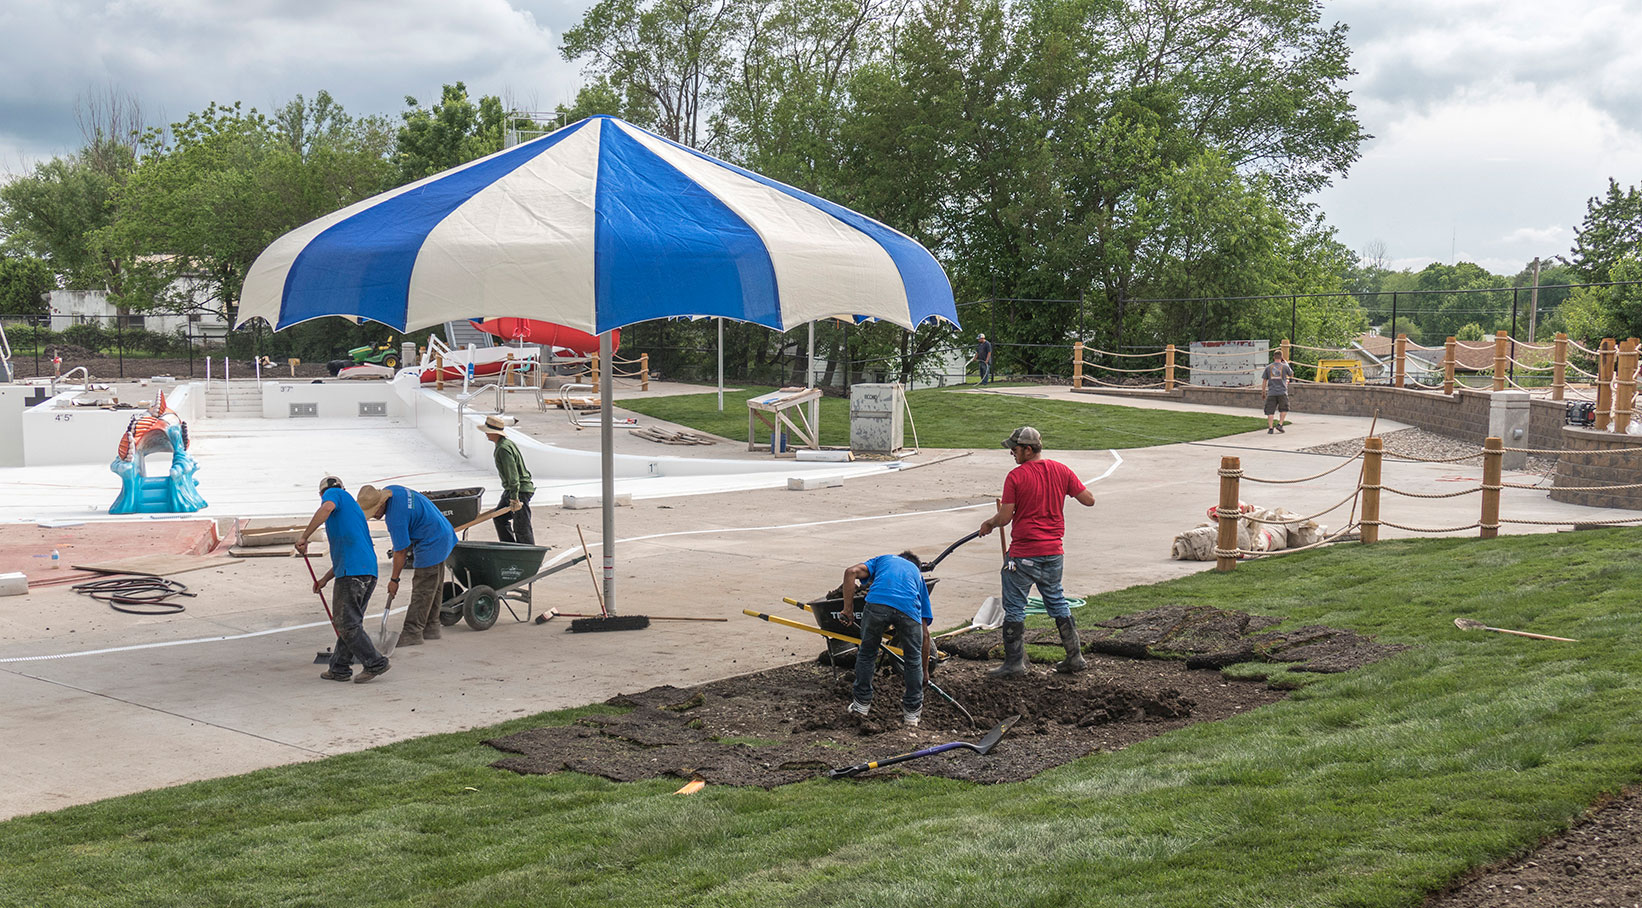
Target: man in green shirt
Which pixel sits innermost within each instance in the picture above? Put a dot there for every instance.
(516, 485)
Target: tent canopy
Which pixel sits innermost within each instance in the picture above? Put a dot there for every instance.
(595, 226)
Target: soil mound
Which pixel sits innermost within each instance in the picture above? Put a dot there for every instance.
(790, 724)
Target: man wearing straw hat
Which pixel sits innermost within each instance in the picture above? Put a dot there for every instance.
(516, 485)
(422, 536)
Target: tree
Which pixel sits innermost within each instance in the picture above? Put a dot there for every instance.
(452, 132)
(56, 210)
(1610, 233)
(24, 282)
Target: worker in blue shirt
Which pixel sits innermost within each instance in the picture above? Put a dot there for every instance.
(353, 566)
(896, 597)
(422, 537)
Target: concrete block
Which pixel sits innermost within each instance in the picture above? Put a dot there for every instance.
(588, 502)
(808, 483)
(14, 584)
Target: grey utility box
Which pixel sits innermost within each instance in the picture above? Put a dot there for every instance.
(876, 415)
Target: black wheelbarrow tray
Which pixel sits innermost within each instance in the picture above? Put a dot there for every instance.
(487, 576)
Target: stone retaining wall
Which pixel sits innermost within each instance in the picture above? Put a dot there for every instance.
(1614, 460)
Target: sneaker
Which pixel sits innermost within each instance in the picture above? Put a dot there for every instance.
(1270, 430)
(368, 675)
(1280, 427)
(910, 720)
(329, 675)
(858, 708)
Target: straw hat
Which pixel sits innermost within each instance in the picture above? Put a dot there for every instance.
(373, 500)
(494, 424)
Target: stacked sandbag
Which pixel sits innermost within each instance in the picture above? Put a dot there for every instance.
(1286, 533)
(1196, 544)
(1259, 530)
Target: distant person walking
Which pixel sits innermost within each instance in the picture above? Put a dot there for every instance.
(516, 485)
(424, 538)
(1034, 503)
(983, 357)
(353, 566)
(1274, 383)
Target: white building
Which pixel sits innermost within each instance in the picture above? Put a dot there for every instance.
(71, 307)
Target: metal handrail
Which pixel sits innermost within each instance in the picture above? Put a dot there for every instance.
(57, 378)
(461, 405)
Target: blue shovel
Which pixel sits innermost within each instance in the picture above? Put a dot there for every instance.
(985, 747)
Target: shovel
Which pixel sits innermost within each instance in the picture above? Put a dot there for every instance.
(386, 640)
(988, 618)
(324, 656)
(985, 747)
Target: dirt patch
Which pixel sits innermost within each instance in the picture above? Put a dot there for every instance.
(790, 724)
(1598, 862)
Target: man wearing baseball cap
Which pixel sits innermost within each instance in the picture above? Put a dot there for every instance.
(1033, 505)
(983, 357)
(353, 566)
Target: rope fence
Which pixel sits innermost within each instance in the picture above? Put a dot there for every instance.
(1368, 489)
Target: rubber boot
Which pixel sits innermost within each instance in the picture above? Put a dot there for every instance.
(1074, 661)
(1014, 651)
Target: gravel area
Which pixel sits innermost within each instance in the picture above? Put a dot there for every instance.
(1420, 443)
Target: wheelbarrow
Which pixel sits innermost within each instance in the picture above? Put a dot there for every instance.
(489, 576)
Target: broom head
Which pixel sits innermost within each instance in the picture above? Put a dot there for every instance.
(609, 623)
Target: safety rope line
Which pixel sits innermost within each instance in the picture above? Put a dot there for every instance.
(1558, 523)
(1471, 491)
(1275, 482)
(1116, 369)
(1387, 523)
(1294, 520)
(1632, 450)
(1540, 488)
(1465, 346)
(1088, 349)
(1591, 375)
(1419, 459)
(1522, 365)
(1096, 381)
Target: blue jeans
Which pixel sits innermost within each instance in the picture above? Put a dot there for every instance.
(349, 597)
(909, 636)
(986, 371)
(1019, 574)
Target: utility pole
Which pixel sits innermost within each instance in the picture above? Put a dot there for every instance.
(1533, 302)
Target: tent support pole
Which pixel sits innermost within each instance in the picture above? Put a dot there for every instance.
(721, 365)
(607, 468)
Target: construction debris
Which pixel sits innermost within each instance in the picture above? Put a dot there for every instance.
(651, 433)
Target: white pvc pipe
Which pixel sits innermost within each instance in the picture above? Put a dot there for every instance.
(721, 365)
(607, 467)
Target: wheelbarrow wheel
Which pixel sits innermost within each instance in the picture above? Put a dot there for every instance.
(481, 607)
(453, 614)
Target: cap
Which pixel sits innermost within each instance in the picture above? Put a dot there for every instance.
(372, 499)
(980, 337)
(1025, 435)
(495, 422)
(328, 483)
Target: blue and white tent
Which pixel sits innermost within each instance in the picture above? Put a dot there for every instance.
(595, 226)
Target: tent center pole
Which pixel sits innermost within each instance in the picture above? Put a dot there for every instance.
(607, 468)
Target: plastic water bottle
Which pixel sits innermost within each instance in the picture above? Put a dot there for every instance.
(56, 560)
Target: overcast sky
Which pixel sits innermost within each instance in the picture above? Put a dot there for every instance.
(1494, 120)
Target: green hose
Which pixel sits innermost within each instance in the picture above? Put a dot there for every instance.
(1034, 605)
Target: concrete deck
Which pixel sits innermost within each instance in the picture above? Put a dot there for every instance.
(230, 686)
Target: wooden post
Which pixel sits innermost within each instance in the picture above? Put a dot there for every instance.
(1625, 382)
(594, 365)
(1231, 471)
(1559, 365)
(1168, 368)
(1448, 365)
(1077, 364)
(507, 372)
(438, 371)
(1373, 448)
(1502, 342)
(644, 371)
(1493, 453)
(1604, 384)
(294, 363)
(1402, 359)
(1287, 357)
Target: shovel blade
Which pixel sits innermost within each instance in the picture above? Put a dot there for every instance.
(386, 642)
(990, 615)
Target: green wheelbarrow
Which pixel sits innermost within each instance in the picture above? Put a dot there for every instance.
(489, 576)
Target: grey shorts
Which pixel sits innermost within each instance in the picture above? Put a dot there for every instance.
(1277, 403)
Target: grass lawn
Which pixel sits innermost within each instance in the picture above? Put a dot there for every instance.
(946, 419)
(1365, 789)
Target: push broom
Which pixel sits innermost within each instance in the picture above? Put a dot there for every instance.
(603, 621)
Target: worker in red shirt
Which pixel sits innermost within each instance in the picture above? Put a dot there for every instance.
(1033, 505)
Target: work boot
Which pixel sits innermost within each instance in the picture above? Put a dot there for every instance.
(1014, 651)
(1074, 661)
(405, 639)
